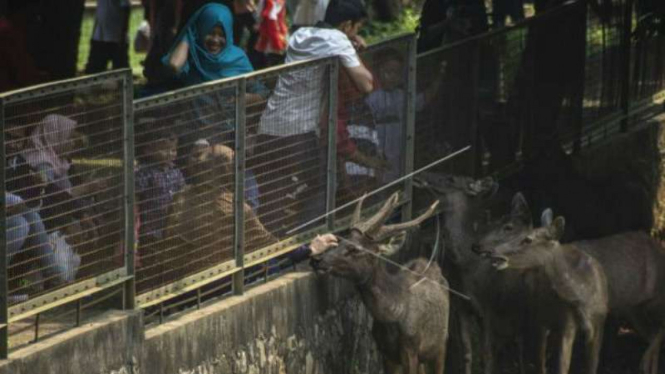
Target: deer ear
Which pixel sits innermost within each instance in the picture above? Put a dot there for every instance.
(520, 210)
(546, 217)
(394, 244)
(557, 228)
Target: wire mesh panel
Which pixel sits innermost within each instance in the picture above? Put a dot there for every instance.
(648, 55)
(604, 74)
(371, 127)
(64, 186)
(447, 89)
(286, 150)
(184, 185)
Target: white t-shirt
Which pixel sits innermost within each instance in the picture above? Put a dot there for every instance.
(295, 105)
(309, 12)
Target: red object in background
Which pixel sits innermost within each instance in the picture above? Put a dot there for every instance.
(17, 69)
(273, 31)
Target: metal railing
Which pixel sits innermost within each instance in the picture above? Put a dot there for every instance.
(65, 207)
(175, 197)
(196, 193)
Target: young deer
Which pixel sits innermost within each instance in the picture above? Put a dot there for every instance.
(566, 291)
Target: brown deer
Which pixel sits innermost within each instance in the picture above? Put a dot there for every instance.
(495, 297)
(634, 265)
(566, 291)
(410, 306)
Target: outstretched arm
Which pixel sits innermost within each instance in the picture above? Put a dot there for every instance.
(179, 57)
(317, 246)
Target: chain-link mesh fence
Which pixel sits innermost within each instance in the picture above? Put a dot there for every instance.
(64, 184)
(446, 106)
(604, 65)
(371, 126)
(184, 184)
(648, 55)
(286, 151)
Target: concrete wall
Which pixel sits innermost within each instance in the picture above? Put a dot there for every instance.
(298, 324)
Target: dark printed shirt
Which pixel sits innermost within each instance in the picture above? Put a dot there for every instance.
(155, 187)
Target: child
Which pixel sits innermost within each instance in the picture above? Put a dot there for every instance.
(387, 104)
(157, 180)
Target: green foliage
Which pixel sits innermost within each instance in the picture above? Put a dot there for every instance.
(375, 31)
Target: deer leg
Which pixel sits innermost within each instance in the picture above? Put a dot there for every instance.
(409, 361)
(592, 348)
(440, 361)
(566, 340)
(488, 346)
(650, 358)
(534, 350)
(391, 367)
(465, 337)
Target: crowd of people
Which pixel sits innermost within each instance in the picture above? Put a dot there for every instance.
(184, 178)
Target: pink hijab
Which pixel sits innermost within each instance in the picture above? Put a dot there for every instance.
(53, 130)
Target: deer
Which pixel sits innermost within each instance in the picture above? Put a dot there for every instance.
(634, 265)
(566, 289)
(409, 307)
(494, 298)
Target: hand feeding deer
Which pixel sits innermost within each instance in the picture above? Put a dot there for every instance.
(634, 265)
(409, 307)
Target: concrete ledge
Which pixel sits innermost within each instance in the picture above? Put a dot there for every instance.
(103, 345)
(295, 324)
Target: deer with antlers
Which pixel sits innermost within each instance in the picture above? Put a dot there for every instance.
(410, 306)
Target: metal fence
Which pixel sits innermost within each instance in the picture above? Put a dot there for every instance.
(574, 75)
(64, 213)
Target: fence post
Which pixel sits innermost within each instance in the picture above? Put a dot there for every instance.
(129, 301)
(239, 193)
(578, 99)
(4, 290)
(625, 63)
(476, 154)
(409, 134)
(331, 183)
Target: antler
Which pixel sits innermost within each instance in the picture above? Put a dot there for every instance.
(389, 230)
(374, 223)
(356, 214)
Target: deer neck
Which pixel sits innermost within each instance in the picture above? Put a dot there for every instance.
(382, 294)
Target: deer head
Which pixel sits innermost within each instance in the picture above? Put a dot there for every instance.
(527, 248)
(505, 228)
(356, 257)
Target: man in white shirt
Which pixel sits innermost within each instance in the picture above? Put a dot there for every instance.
(289, 130)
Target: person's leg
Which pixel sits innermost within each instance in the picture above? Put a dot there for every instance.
(498, 13)
(516, 10)
(98, 58)
(120, 57)
(37, 242)
(17, 232)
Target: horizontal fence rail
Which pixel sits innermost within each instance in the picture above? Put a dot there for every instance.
(199, 192)
(64, 211)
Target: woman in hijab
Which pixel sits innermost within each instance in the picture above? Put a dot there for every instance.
(47, 152)
(204, 49)
(204, 52)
